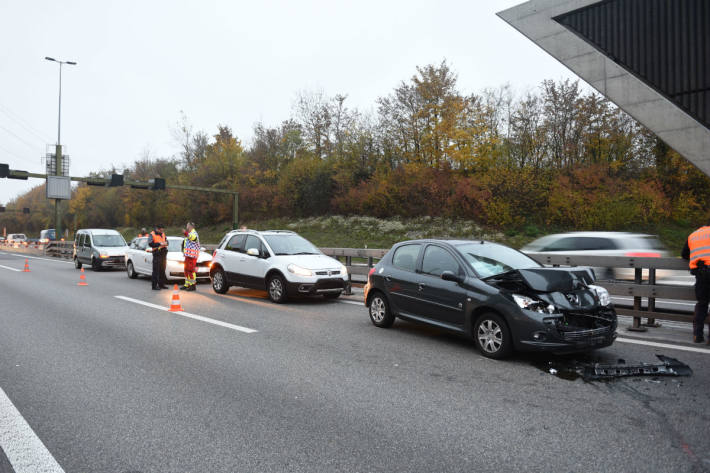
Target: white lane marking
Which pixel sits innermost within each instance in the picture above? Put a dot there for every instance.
(55, 260)
(663, 345)
(238, 328)
(11, 269)
(22, 447)
(352, 302)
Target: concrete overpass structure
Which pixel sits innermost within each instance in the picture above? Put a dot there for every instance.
(650, 57)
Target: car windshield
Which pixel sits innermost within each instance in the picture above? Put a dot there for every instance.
(490, 259)
(291, 244)
(175, 244)
(108, 240)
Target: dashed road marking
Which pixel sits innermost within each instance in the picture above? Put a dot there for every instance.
(9, 268)
(23, 449)
(201, 318)
(663, 345)
(55, 260)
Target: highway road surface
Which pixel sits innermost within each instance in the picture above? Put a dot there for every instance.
(102, 378)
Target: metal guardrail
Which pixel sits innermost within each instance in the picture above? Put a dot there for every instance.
(639, 288)
(643, 286)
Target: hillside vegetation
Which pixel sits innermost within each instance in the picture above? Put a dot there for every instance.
(517, 164)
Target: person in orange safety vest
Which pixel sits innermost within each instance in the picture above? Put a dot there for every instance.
(697, 252)
(158, 244)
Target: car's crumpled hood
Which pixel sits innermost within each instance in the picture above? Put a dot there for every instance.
(556, 279)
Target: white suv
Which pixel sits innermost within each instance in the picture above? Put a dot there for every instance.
(281, 262)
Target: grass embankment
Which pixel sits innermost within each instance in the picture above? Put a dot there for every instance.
(369, 232)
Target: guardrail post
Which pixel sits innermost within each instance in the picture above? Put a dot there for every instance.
(349, 287)
(652, 300)
(636, 326)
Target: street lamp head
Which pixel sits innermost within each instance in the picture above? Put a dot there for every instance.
(71, 62)
(50, 58)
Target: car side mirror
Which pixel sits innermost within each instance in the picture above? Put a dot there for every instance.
(253, 252)
(450, 276)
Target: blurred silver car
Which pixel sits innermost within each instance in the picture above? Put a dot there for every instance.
(603, 244)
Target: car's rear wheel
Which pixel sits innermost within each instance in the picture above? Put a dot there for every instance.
(77, 263)
(380, 313)
(276, 287)
(131, 270)
(219, 281)
(492, 336)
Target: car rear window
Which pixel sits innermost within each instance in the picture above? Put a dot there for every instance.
(405, 257)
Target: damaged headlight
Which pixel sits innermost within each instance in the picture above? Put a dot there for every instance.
(525, 302)
(602, 295)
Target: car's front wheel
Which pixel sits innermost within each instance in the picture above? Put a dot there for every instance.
(492, 336)
(77, 263)
(380, 313)
(131, 270)
(95, 264)
(276, 287)
(219, 281)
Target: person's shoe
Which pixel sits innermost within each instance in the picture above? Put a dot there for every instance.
(163, 286)
(698, 339)
(192, 288)
(184, 288)
(155, 288)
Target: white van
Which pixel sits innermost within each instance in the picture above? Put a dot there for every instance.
(16, 238)
(100, 248)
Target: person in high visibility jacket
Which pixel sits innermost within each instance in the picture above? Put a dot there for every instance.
(158, 245)
(191, 251)
(697, 252)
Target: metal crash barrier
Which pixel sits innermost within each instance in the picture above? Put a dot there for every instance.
(644, 277)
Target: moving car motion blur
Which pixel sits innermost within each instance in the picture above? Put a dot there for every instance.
(635, 245)
(496, 295)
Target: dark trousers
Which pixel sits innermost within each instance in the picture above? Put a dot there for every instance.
(159, 263)
(702, 295)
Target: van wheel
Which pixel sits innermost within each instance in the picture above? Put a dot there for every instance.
(95, 264)
(492, 336)
(77, 263)
(131, 270)
(219, 282)
(277, 289)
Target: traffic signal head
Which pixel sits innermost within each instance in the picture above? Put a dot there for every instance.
(157, 184)
(26, 210)
(4, 170)
(2, 208)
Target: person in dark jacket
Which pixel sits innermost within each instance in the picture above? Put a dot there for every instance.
(158, 244)
(697, 252)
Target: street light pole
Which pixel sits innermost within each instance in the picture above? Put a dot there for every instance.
(58, 149)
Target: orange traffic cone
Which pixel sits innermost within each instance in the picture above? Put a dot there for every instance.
(82, 279)
(27, 266)
(175, 303)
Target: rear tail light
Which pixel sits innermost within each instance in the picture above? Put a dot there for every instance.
(642, 254)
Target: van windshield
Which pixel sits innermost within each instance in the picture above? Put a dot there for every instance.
(108, 240)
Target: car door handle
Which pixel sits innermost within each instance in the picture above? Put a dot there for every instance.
(421, 286)
(388, 278)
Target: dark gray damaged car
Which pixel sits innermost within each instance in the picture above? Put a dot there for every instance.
(496, 295)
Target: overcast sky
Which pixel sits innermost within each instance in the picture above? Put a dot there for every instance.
(140, 63)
